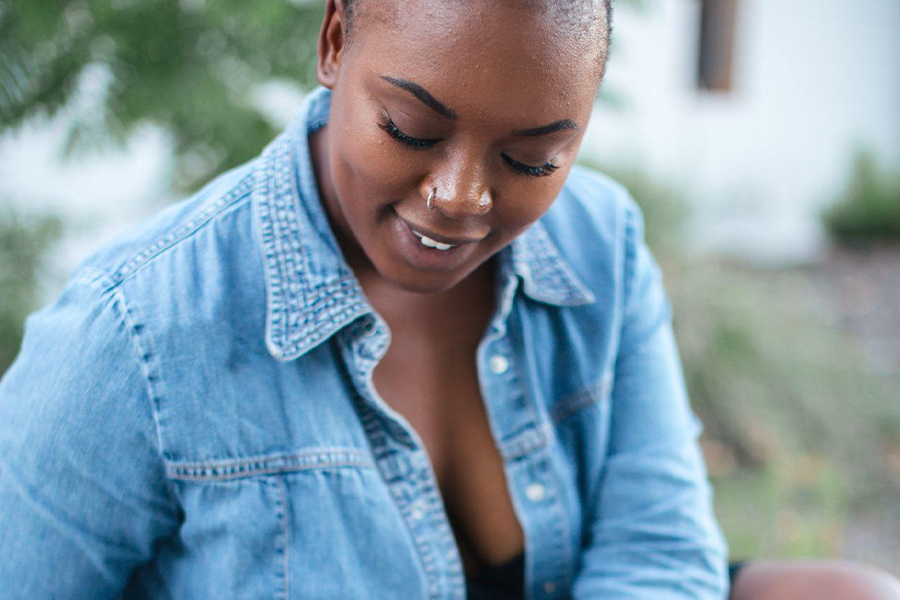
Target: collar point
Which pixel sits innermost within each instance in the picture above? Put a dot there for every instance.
(566, 297)
(276, 350)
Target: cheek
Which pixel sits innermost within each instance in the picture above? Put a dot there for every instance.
(369, 162)
(524, 202)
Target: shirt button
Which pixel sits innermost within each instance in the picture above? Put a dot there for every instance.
(417, 512)
(535, 492)
(549, 587)
(498, 364)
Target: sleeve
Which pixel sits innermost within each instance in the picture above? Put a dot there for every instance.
(83, 494)
(653, 533)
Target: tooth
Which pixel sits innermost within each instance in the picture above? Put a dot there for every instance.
(427, 241)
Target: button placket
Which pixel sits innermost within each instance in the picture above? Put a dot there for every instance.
(418, 511)
(535, 492)
(410, 477)
(549, 526)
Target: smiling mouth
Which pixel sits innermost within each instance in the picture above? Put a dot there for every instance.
(427, 241)
(437, 243)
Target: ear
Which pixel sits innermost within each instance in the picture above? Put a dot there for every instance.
(331, 44)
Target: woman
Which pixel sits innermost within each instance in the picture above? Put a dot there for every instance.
(404, 346)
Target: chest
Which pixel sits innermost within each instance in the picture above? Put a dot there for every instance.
(434, 385)
(282, 481)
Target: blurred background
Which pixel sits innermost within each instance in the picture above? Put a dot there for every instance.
(760, 137)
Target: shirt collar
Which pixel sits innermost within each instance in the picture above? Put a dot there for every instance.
(311, 292)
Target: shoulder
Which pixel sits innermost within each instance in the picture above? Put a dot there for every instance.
(596, 224)
(180, 277)
(175, 232)
(596, 189)
(175, 268)
(155, 301)
(592, 209)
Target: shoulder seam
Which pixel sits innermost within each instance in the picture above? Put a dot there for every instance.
(101, 283)
(237, 193)
(143, 354)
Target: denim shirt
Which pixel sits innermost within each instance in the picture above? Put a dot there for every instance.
(194, 417)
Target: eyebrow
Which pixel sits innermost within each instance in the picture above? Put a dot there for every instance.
(422, 94)
(434, 104)
(561, 125)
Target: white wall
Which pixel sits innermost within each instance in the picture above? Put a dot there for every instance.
(814, 80)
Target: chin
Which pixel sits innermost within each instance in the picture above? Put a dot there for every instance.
(425, 283)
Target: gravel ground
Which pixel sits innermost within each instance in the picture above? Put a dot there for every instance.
(861, 288)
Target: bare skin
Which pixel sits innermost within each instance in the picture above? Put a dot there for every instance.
(813, 580)
(490, 71)
(429, 376)
(371, 181)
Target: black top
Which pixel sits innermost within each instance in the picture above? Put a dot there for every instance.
(503, 582)
(507, 581)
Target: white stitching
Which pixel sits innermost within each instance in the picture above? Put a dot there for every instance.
(264, 465)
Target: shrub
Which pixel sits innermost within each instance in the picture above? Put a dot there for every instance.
(869, 210)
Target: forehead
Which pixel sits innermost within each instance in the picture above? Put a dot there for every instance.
(497, 59)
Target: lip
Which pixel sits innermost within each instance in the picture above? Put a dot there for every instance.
(443, 239)
(427, 259)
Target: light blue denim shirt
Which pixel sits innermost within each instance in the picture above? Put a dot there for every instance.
(195, 418)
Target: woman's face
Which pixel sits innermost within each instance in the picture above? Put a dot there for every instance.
(480, 101)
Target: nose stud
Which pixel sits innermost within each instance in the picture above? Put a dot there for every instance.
(428, 202)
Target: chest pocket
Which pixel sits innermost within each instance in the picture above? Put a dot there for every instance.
(313, 524)
(280, 492)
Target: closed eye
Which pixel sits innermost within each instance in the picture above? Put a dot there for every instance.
(419, 144)
(541, 171)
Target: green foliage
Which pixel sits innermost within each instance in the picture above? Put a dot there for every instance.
(188, 66)
(870, 209)
(24, 242)
(794, 507)
(773, 379)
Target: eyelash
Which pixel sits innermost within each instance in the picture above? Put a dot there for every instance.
(542, 171)
(412, 142)
(417, 144)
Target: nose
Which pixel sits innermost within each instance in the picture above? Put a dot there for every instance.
(461, 190)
